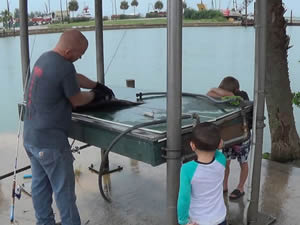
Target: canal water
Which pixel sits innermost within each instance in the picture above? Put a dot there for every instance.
(209, 54)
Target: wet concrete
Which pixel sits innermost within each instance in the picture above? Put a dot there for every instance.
(138, 191)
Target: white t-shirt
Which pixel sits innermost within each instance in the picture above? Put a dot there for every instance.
(200, 197)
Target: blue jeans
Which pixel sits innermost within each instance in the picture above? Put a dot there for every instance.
(223, 223)
(52, 172)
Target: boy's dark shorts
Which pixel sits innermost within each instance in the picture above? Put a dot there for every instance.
(239, 152)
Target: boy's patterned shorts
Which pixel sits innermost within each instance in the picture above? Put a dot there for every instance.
(239, 152)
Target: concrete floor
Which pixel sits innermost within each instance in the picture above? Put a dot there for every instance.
(139, 191)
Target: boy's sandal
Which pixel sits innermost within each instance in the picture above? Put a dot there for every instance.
(236, 194)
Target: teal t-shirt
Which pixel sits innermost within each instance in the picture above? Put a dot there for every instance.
(200, 198)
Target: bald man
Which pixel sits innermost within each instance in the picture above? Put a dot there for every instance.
(52, 91)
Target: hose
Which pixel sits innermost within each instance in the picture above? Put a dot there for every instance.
(162, 94)
(140, 95)
(116, 139)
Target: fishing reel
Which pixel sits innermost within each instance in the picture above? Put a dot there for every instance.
(17, 192)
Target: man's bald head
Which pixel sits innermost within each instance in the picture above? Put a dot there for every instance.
(71, 45)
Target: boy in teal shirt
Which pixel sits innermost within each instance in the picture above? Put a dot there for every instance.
(200, 199)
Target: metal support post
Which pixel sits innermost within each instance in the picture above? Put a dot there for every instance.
(99, 52)
(130, 83)
(252, 216)
(24, 40)
(99, 41)
(174, 102)
(246, 12)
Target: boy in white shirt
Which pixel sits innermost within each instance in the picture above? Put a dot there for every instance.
(230, 86)
(200, 199)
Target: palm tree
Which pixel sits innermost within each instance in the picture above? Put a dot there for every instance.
(284, 136)
(73, 6)
(158, 5)
(61, 13)
(7, 6)
(6, 18)
(49, 6)
(46, 8)
(9, 19)
(116, 7)
(17, 13)
(134, 4)
(31, 15)
(124, 5)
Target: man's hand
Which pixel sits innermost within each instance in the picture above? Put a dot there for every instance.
(102, 92)
(106, 89)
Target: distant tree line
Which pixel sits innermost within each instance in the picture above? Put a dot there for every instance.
(73, 6)
(204, 14)
(6, 18)
(124, 5)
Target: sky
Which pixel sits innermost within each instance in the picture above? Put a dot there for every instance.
(144, 5)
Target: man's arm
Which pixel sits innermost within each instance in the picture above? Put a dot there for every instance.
(219, 92)
(82, 98)
(85, 82)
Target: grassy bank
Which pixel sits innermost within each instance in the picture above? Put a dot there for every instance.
(120, 24)
(143, 21)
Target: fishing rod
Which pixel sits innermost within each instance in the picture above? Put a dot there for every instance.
(76, 149)
(17, 171)
(14, 194)
(115, 53)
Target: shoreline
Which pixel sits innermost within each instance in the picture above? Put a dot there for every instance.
(47, 30)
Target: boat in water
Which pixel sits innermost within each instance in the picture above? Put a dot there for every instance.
(85, 13)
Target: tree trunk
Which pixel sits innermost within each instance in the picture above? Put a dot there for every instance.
(284, 136)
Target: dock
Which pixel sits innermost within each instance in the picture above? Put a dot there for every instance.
(280, 196)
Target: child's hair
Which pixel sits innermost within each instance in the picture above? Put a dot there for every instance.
(230, 84)
(242, 94)
(206, 136)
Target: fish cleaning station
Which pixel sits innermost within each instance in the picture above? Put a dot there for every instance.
(154, 127)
